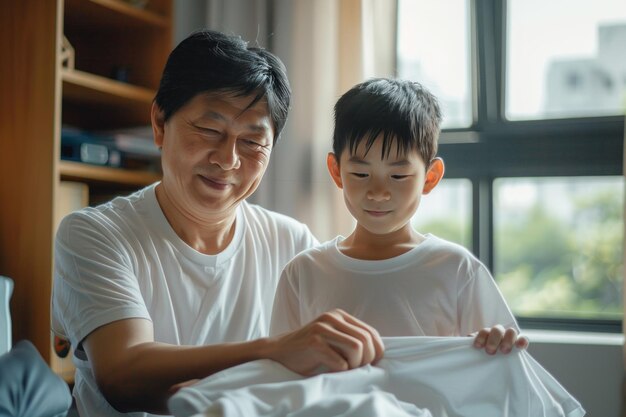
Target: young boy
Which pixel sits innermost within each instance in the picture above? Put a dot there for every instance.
(385, 273)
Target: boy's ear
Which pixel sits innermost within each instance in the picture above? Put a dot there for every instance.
(333, 169)
(434, 174)
(158, 124)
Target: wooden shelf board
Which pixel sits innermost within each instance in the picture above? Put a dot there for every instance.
(92, 173)
(82, 86)
(112, 13)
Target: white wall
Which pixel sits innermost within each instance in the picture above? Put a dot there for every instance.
(589, 366)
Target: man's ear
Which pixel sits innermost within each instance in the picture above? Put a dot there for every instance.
(158, 124)
(333, 169)
(434, 174)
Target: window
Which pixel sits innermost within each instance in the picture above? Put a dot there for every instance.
(558, 246)
(535, 173)
(566, 61)
(447, 212)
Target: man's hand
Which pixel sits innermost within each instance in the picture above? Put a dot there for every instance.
(335, 341)
(500, 339)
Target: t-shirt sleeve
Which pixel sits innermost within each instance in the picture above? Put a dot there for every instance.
(94, 283)
(481, 304)
(286, 310)
(307, 239)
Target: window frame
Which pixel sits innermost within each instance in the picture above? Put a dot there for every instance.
(494, 147)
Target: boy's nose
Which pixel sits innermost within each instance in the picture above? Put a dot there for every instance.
(378, 194)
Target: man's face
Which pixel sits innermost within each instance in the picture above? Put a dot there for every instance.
(382, 194)
(215, 152)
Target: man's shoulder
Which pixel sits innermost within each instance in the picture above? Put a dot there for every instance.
(279, 235)
(320, 253)
(118, 212)
(271, 221)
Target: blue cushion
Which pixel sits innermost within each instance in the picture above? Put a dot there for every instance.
(28, 387)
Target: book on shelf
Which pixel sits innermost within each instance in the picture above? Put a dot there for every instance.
(128, 148)
(137, 141)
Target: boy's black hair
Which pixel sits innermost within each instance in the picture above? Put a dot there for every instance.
(402, 111)
(208, 61)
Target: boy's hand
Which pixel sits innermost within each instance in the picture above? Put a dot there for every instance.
(500, 339)
(335, 341)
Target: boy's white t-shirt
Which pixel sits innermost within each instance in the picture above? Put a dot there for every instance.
(123, 260)
(437, 288)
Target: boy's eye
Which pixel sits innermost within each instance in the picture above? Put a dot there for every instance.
(359, 174)
(399, 177)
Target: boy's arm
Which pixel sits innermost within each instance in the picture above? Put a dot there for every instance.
(486, 316)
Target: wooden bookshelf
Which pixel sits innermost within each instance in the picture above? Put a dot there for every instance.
(87, 97)
(109, 38)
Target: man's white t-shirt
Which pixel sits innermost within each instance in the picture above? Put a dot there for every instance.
(437, 288)
(123, 260)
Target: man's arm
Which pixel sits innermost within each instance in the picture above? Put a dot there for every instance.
(335, 341)
(136, 373)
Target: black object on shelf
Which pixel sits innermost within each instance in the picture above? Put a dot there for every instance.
(105, 150)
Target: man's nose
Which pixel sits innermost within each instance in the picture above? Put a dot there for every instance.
(225, 154)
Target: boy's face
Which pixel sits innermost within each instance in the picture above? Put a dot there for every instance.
(383, 194)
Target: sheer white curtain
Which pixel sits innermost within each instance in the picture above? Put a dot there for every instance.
(249, 19)
(327, 46)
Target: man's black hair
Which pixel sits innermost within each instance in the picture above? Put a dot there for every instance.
(404, 112)
(208, 61)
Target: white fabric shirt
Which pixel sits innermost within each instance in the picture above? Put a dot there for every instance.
(442, 376)
(123, 260)
(436, 289)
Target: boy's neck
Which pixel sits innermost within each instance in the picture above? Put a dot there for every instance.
(363, 244)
